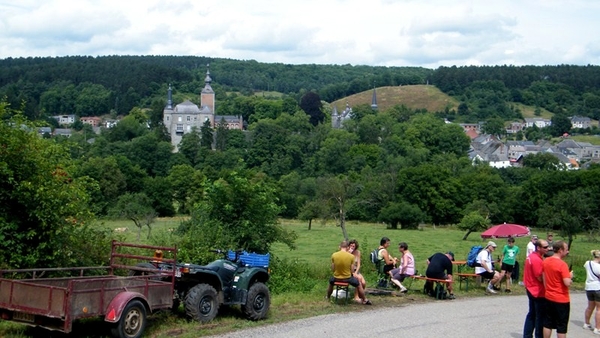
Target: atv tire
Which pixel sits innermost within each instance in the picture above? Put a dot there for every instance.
(258, 302)
(201, 303)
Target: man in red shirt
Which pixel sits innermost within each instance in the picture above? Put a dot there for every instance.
(557, 279)
(532, 279)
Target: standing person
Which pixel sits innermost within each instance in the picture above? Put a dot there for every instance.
(534, 286)
(341, 265)
(557, 279)
(406, 268)
(353, 249)
(592, 291)
(509, 256)
(531, 245)
(485, 267)
(439, 266)
(550, 240)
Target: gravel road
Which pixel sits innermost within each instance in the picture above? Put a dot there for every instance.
(503, 314)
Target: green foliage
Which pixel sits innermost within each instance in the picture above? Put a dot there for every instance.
(43, 208)
(240, 211)
(289, 274)
(473, 221)
(403, 213)
(137, 208)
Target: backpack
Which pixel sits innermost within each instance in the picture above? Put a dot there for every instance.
(374, 256)
(472, 256)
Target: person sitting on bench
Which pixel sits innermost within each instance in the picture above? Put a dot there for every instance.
(384, 256)
(341, 265)
(439, 266)
(406, 268)
(485, 267)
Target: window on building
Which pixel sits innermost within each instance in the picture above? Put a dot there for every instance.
(179, 128)
(179, 119)
(188, 118)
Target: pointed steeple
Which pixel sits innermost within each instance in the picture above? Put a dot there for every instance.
(207, 81)
(170, 98)
(374, 99)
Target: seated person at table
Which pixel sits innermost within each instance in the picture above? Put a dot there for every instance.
(384, 257)
(406, 268)
(484, 266)
(341, 265)
(353, 249)
(439, 266)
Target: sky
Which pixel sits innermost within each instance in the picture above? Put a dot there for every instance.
(422, 33)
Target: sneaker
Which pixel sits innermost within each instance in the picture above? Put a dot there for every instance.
(596, 331)
(491, 290)
(404, 290)
(451, 296)
(587, 327)
(507, 291)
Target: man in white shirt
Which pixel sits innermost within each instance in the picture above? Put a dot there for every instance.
(484, 266)
(531, 245)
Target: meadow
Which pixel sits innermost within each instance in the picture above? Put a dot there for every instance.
(299, 277)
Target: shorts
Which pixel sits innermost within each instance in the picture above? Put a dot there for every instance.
(397, 275)
(507, 267)
(556, 316)
(352, 281)
(593, 295)
(487, 275)
(388, 268)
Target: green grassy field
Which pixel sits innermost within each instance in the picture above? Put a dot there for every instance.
(314, 248)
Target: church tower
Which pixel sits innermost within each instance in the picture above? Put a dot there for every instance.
(207, 100)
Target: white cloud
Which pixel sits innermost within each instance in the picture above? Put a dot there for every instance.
(380, 32)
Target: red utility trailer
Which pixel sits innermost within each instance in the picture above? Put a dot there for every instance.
(26, 296)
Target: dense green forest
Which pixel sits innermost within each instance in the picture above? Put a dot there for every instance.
(401, 166)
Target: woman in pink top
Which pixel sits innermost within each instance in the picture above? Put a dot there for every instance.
(406, 268)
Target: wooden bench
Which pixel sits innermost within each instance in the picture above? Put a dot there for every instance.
(337, 286)
(466, 277)
(443, 282)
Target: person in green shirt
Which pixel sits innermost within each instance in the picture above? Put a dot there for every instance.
(509, 257)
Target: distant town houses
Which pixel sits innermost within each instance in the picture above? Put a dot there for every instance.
(65, 119)
(580, 122)
(537, 121)
(94, 121)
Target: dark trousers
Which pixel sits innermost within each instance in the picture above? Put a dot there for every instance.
(534, 318)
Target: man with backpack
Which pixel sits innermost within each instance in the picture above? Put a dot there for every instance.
(485, 267)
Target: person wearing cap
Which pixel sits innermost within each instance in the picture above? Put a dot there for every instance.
(531, 245)
(439, 266)
(509, 256)
(485, 268)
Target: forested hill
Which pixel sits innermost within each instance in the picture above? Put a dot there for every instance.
(86, 85)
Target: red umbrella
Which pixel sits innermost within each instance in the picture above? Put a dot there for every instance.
(506, 230)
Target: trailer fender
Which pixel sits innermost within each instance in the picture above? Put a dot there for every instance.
(117, 304)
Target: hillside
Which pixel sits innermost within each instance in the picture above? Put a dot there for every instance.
(414, 97)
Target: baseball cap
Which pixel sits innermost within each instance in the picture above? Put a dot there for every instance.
(490, 243)
(451, 254)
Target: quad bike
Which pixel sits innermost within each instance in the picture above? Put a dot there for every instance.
(226, 281)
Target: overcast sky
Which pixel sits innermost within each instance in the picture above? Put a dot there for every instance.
(427, 33)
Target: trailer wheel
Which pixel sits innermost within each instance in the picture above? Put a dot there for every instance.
(201, 303)
(132, 322)
(257, 304)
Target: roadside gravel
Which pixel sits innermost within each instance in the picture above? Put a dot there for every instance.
(486, 316)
